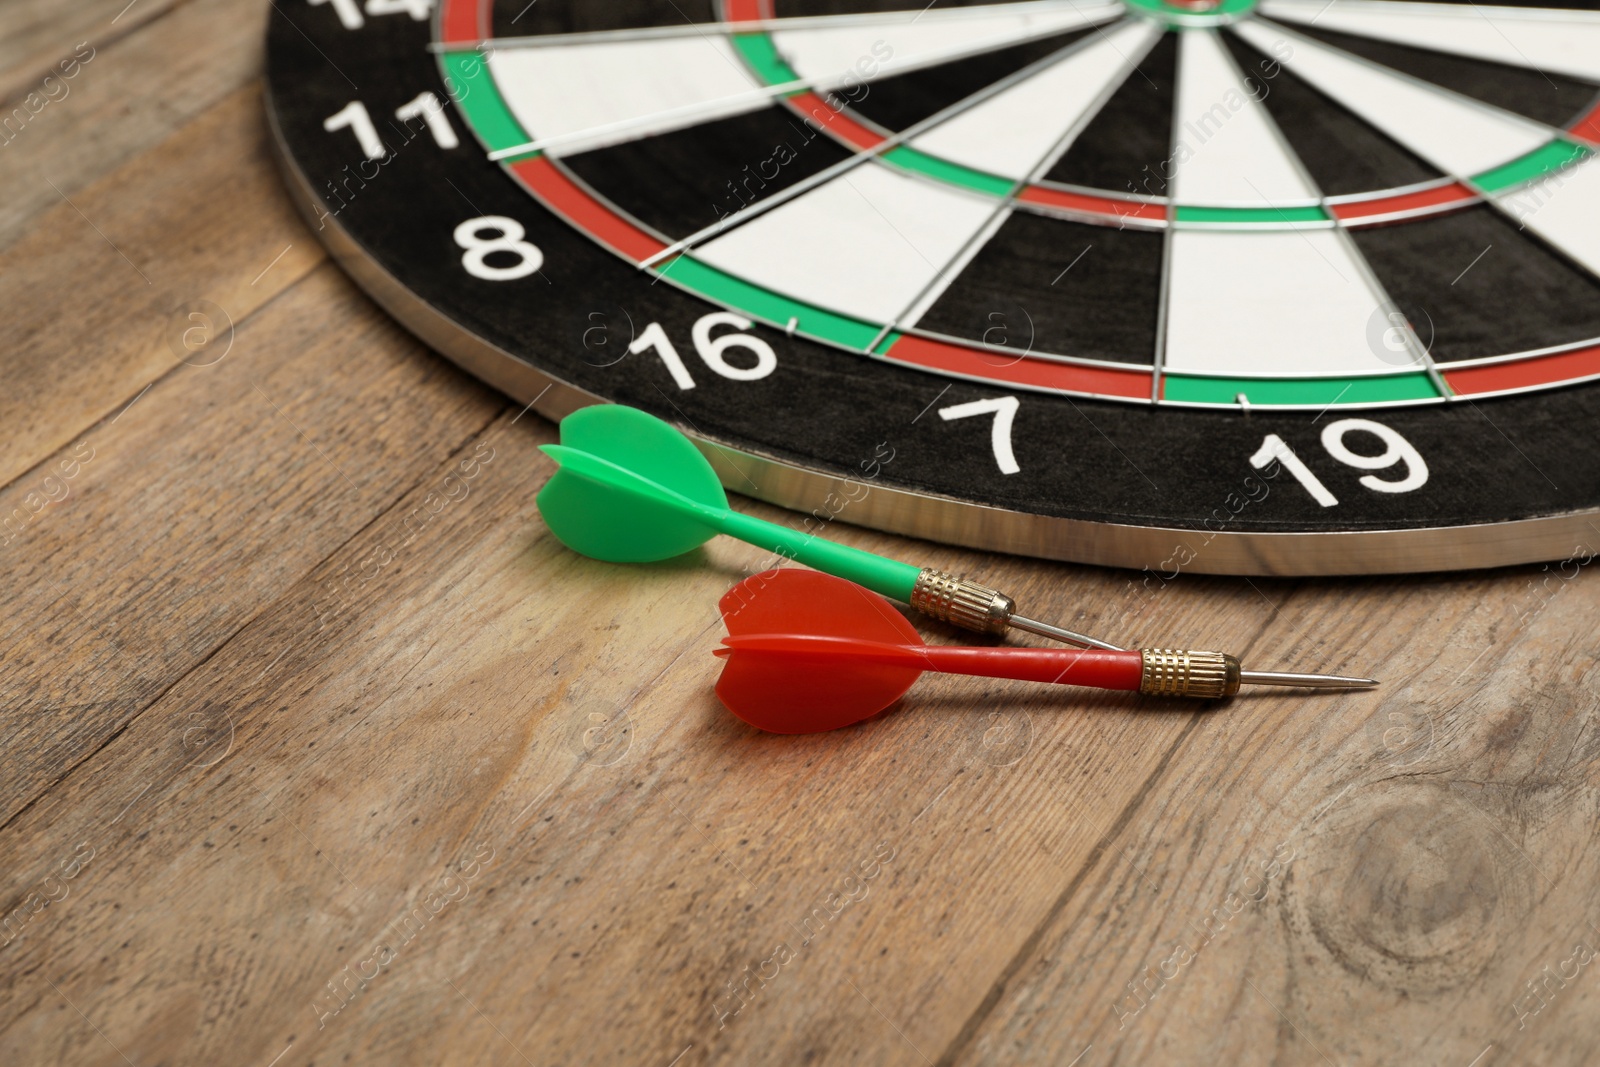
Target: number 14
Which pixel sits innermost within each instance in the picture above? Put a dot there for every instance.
(349, 11)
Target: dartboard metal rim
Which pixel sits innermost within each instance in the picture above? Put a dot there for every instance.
(947, 519)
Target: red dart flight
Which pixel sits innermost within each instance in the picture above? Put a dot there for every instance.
(808, 652)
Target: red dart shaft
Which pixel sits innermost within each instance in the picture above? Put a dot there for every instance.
(1063, 666)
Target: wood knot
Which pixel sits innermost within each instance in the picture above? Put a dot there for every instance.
(1407, 886)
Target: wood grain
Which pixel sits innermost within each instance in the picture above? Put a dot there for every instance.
(318, 748)
(1433, 862)
(40, 33)
(138, 89)
(112, 276)
(136, 574)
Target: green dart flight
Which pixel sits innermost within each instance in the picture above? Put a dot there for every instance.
(631, 489)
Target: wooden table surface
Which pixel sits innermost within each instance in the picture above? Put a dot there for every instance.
(319, 749)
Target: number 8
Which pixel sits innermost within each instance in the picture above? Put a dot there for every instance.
(508, 238)
(1396, 449)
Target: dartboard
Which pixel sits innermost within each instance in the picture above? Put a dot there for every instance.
(1253, 286)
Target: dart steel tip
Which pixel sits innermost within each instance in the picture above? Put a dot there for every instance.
(1213, 675)
(1305, 681)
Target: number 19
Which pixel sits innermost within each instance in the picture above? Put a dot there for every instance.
(1397, 450)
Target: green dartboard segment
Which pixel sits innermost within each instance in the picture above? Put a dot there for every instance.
(1259, 215)
(1557, 155)
(479, 98)
(762, 55)
(700, 277)
(908, 158)
(1299, 392)
(631, 489)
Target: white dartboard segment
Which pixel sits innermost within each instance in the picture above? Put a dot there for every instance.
(597, 92)
(1283, 303)
(589, 96)
(1564, 209)
(1226, 150)
(952, 270)
(866, 243)
(1011, 133)
(1555, 40)
(1458, 135)
(851, 49)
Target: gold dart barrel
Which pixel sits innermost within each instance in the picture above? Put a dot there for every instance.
(1172, 672)
(971, 606)
(961, 602)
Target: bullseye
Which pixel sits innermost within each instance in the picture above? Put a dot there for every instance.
(1193, 13)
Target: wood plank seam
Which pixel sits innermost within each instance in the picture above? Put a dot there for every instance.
(108, 418)
(22, 83)
(267, 606)
(1077, 941)
(518, 826)
(135, 202)
(1030, 944)
(974, 1022)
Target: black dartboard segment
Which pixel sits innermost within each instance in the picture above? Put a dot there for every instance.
(1100, 275)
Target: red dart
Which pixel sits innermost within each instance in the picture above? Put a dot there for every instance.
(809, 652)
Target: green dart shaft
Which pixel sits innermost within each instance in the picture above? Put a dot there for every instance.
(887, 577)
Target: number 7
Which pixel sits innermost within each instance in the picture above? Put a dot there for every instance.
(1004, 411)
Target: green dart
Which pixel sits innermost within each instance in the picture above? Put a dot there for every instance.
(632, 489)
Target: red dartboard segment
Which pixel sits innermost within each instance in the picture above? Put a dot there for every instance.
(839, 124)
(746, 10)
(833, 121)
(1132, 384)
(581, 209)
(1525, 373)
(1445, 196)
(1588, 127)
(463, 21)
(1109, 207)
